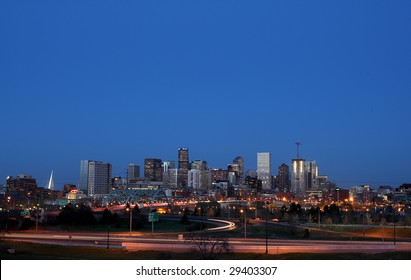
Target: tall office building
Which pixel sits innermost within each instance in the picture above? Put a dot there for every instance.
(298, 177)
(194, 179)
(83, 183)
(311, 171)
(172, 178)
(283, 178)
(232, 177)
(133, 171)
(322, 182)
(264, 169)
(202, 167)
(183, 167)
(168, 164)
(233, 173)
(199, 165)
(153, 169)
(240, 162)
(95, 177)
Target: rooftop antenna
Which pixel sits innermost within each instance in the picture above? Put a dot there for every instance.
(298, 143)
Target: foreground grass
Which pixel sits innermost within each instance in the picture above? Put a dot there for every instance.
(30, 251)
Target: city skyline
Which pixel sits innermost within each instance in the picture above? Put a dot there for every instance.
(124, 172)
(121, 82)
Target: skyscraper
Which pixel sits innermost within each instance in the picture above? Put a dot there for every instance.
(168, 164)
(95, 177)
(194, 178)
(233, 173)
(240, 161)
(311, 170)
(199, 165)
(298, 182)
(264, 169)
(99, 179)
(83, 183)
(169, 173)
(133, 171)
(172, 178)
(283, 178)
(183, 167)
(205, 175)
(153, 169)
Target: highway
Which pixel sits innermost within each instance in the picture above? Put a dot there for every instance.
(137, 242)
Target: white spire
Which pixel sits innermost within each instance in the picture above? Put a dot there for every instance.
(51, 182)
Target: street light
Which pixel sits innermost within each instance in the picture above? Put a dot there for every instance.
(130, 210)
(256, 211)
(245, 221)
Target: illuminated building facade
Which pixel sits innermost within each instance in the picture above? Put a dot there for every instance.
(264, 169)
(24, 186)
(311, 170)
(194, 179)
(153, 169)
(133, 171)
(183, 167)
(240, 162)
(95, 177)
(99, 178)
(283, 178)
(218, 175)
(298, 182)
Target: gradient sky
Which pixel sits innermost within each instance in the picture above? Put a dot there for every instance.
(120, 81)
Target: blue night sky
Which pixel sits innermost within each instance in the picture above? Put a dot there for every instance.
(120, 81)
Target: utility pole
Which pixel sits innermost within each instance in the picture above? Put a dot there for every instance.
(131, 218)
(319, 217)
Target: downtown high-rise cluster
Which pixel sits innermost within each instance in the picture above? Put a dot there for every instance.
(196, 175)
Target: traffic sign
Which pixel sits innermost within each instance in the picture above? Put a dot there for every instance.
(153, 217)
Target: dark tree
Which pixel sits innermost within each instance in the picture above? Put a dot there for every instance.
(335, 213)
(184, 220)
(67, 215)
(209, 248)
(84, 215)
(306, 233)
(107, 217)
(78, 215)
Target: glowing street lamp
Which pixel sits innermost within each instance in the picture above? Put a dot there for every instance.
(128, 209)
(243, 211)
